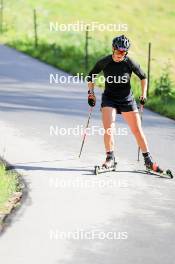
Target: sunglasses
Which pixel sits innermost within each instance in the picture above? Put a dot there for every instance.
(119, 52)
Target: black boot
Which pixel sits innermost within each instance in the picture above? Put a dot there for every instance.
(148, 160)
(110, 160)
(150, 164)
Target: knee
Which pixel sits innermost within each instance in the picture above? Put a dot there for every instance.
(109, 125)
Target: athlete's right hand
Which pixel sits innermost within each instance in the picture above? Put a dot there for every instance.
(91, 98)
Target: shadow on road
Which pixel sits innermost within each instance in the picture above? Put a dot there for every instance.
(83, 169)
(22, 167)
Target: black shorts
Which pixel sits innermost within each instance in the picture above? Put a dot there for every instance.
(125, 106)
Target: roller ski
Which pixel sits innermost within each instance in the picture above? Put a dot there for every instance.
(153, 168)
(109, 165)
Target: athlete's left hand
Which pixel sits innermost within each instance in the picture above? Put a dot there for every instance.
(142, 99)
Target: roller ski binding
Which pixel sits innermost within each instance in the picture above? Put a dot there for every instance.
(109, 165)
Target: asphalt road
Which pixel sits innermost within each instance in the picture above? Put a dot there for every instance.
(69, 215)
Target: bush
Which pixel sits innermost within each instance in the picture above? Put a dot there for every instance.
(164, 85)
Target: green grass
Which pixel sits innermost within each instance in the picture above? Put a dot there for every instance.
(68, 58)
(8, 185)
(148, 21)
(161, 106)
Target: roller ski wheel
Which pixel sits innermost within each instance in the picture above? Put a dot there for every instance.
(169, 173)
(156, 170)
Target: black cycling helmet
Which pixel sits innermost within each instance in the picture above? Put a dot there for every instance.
(121, 43)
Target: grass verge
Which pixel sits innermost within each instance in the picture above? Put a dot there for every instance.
(10, 192)
(161, 106)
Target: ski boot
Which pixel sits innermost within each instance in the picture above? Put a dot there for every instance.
(108, 165)
(153, 167)
(110, 160)
(149, 163)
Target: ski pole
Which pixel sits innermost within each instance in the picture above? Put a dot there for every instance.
(84, 137)
(141, 108)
